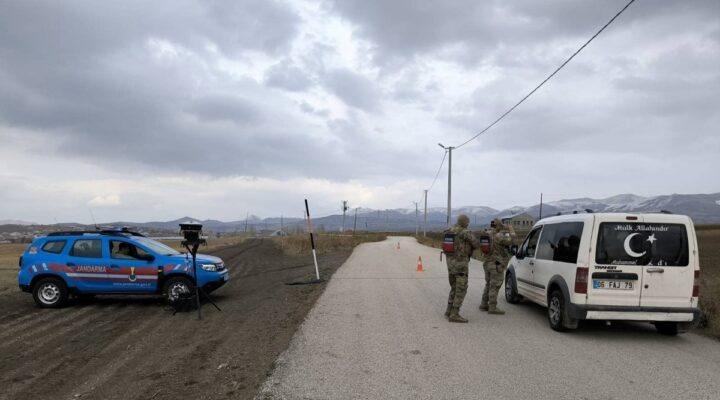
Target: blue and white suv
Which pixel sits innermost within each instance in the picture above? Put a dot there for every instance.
(111, 262)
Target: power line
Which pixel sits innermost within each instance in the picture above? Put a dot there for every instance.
(437, 173)
(548, 78)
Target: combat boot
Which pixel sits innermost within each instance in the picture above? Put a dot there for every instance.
(455, 316)
(494, 310)
(483, 307)
(449, 309)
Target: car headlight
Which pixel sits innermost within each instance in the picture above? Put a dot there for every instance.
(209, 267)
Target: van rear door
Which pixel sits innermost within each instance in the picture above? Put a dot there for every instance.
(668, 270)
(616, 271)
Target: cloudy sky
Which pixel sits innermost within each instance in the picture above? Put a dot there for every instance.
(155, 110)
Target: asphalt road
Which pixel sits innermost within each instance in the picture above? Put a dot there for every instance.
(378, 332)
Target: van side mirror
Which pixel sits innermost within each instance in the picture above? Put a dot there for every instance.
(514, 249)
(148, 257)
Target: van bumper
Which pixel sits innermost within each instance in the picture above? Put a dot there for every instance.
(25, 288)
(625, 313)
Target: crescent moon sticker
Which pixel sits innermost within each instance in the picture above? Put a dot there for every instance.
(628, 250)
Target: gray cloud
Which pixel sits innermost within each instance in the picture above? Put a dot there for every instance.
(475, 32)
(353, 89)
(226, 88)
(228, 108)
(289, 77)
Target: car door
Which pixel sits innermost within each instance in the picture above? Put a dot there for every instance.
(526, 263)
(88, 267)
(133, 268)
(668, 275)
(620, 252)
(557, 253)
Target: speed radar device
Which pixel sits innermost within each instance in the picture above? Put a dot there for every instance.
(192, 239)
(192, 233)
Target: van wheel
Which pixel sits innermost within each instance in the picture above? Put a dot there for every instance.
(50, 293)
(511, 294)
(667, 328)
(556, 312)
(175, 287)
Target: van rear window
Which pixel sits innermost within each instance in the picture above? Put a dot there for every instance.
(642, 244)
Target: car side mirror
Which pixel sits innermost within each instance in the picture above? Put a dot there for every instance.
(148, 257)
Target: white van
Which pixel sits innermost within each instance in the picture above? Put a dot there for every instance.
(636, 267)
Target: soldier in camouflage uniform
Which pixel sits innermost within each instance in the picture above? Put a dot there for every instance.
(495, 263)
(457, 263)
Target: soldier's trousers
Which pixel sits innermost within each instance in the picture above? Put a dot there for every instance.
(494, 277)
(458, 277)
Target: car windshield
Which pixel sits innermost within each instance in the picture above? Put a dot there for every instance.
(157, 247)
(642, 244)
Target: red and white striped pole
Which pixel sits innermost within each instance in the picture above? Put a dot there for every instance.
(312, 240)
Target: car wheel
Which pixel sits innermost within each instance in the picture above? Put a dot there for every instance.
(511, 294)
(667, 328)
(175, 287)
(50, 293)
(556, 311)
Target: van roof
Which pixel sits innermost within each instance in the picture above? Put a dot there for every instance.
(648, 217)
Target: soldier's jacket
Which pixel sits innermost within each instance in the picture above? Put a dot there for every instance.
(465, 244)
(500, 250)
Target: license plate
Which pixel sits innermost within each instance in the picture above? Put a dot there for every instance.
(225, 277)
(613, 284)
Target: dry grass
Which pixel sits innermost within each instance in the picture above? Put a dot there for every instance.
(709, 248)
(212, 243)
(298, 244)
(9, 255)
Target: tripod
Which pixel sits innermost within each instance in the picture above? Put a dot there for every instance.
(192, 247)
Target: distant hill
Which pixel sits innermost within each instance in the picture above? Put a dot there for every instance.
(702, 208)
(15, 222)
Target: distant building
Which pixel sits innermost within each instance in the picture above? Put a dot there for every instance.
(520, 221)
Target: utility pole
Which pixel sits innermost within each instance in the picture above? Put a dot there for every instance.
(355, 221)
(417, 223)
(344, 208)
(425, 221)
(247, 215)
(540, 216)
(449, 149)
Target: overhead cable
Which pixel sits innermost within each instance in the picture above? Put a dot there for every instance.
(548, 78)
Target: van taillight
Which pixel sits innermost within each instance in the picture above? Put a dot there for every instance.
(696, 284)
(581, 280)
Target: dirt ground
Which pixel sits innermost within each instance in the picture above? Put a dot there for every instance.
(134, 348)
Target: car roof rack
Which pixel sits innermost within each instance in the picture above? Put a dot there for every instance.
(109, 232)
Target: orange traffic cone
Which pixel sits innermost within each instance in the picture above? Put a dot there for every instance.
(398, 246)
(419, 266)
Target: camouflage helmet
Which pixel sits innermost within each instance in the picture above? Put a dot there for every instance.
(463, 220)
(497, 223)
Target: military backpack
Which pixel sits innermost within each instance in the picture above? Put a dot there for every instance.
(448, 243)
(485, 244)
